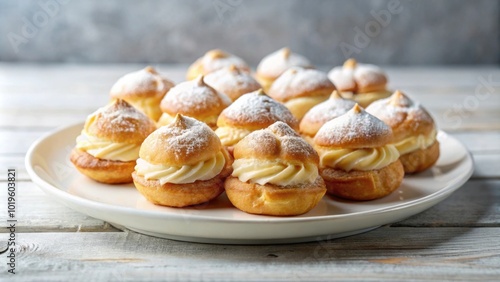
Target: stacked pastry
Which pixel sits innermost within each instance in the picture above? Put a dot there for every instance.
(219, 131)
(251, 112)
(301, 89)
(274, 64)
(362, 83)
(414, 130)
(144, 89)
(108, 146)
(196, 99)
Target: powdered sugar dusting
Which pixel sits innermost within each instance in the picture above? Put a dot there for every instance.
(328, 110)
(290, 143)
(141, 82)
(184, 137)
(232, 81)
(193, 96)
(255, 107)
(216, 59)
(348, 79)
(356, 124)
(118, 118)
(274, 64)
(297, 80)
(395, 109)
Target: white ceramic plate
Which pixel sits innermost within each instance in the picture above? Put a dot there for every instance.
(48, 164)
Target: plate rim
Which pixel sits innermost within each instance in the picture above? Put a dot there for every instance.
(64, 196)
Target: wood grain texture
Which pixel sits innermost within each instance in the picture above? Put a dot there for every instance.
(388, 254)
(37, 212)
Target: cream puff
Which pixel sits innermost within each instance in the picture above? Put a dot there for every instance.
(143, 89)
(195, 99)
(108, 146)
(251, 112)
(274, 64)
(232, 81)
(414, 130)
(357, 160)
(300, 89)
(318, 115)
(182, 164)
(214, 60)
(362, 83)
(275, 172)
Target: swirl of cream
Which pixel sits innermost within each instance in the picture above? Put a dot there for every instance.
(274, 172)
(104, 149)
(229, 136)
(358, 159)
(203, 170)
(414, 143)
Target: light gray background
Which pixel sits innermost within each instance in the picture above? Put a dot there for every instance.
(153, 31)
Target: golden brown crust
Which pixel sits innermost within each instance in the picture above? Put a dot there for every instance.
(299, 82)
(119, 122)
(184, 141)
(183, 195)
(146, 83)
(405, 117)
(278, 141)
(255, 111)
(358, 78)
(232, 81)
(363, 185)
(195, 99)
(274, 200)
(353, 130)
(420, 160)
(213, 60)
(317, 116)
(105, 171)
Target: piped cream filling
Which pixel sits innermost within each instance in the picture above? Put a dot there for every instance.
(104, 149)
(203, 170)
(229, 136)
(300, 106)
(358, 159)
(275, 172)
(414, 143)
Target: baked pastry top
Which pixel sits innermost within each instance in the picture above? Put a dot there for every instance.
(355, 141)
(358, 78)
(300, 89)
(184, 151)
(144, 89)
(251, 112)
(275, 155)
(274, 64)
(115, 132)
(232, 81)
(412, 126)
(214, 60)
(196, 99)
(318, 115)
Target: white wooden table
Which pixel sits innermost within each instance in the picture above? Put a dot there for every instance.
(457, 240)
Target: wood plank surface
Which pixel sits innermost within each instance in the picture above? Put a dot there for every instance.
(385, 254)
